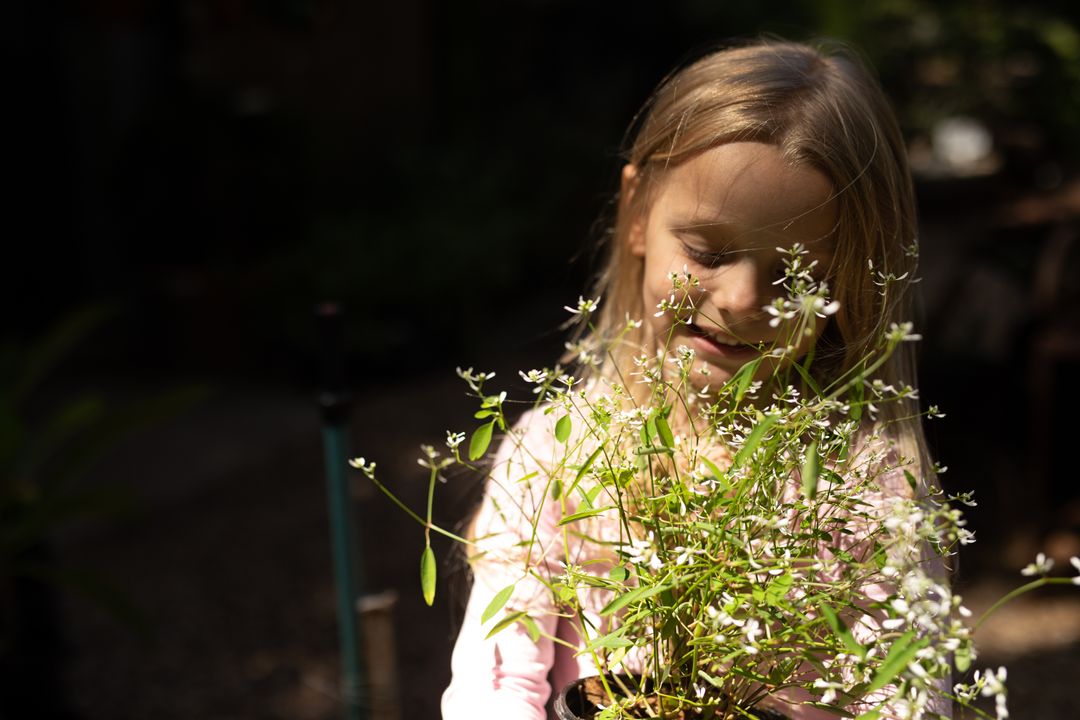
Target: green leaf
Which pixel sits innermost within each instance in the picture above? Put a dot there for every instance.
(496, 603)
(585, 467)
(531, 628)
(778, 589)
(634, 595)
(427, 575)
(810, 472)
(718, 474)
(911, 481)
(508, 620)
(610, 641)
(755, 438)
(962, 657)
(664, 431)
(484, 414)
(841, 631)
(589, 498)
(57, 344)
(582, 514)
(566, 594)
(562, 429)
(900, 654)
(742, 379)
(870, 715)
(609, 713)
(556, 489)
(807, 378)
(481, 438)
(618, 573)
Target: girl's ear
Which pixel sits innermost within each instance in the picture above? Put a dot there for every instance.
(629, 185)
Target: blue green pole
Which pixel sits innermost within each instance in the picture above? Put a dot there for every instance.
(335, 403)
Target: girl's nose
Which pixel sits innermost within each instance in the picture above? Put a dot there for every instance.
(741, 288)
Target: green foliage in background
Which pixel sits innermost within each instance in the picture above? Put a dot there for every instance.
(47, 448)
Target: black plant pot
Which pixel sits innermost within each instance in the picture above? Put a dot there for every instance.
(577, 701)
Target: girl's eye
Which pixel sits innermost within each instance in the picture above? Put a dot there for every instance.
(706, 258)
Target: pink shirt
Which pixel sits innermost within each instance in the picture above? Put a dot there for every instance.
(510, 677)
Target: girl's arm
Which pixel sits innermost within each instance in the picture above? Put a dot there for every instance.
(506, 676)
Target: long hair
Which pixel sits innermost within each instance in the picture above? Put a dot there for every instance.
(821, 107)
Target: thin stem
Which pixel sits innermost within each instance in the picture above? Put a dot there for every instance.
(430, 501)
(427, 525)
(1033, 585)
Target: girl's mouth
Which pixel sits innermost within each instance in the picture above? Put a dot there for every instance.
(720, 345)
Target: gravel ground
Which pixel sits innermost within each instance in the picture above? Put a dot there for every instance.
(230, 563)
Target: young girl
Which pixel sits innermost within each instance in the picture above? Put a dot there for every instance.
(748, 150)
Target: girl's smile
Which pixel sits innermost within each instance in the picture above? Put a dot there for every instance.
(716, 345)
(727, 215)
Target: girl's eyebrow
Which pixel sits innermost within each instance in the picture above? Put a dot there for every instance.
(734, 241)
(729, 229)
(697, 223)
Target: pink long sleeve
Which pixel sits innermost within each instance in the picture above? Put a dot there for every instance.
(506, 676)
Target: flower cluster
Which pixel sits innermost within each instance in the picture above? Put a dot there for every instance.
(806, 297)
(746, 542)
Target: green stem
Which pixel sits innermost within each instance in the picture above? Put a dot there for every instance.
(1033, 585)
(408, 511)
(430, 500)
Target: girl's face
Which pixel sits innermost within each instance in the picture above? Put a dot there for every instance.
(722, 215)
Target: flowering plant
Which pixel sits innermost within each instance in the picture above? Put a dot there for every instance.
(759, 540)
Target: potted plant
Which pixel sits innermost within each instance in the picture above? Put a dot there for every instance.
(756, 547)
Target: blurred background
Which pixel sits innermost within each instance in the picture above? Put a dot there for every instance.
(192, 179)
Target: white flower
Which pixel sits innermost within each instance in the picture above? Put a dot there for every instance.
(534, 376)
(584, 307)
(994, 684)
(968, 498)
(902, 333)
(430, 455)
(683, 556)
(365, 467)
(1041, 566)
(1075, 562)
(474, 379)
(752, 629)
(816, 305)
(454, 439)
(991, 683)
(829, 696)
(965, 693)
(643, 552)
(584, 353)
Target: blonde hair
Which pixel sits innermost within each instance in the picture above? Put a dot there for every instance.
(821, 107)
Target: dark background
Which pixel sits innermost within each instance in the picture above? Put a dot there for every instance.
(187, 180)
